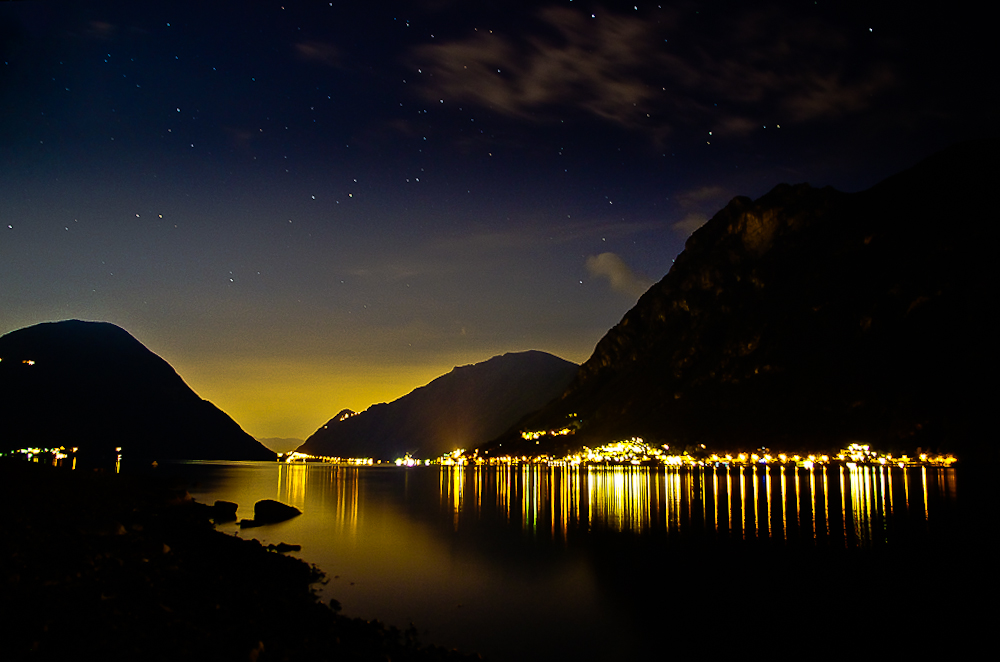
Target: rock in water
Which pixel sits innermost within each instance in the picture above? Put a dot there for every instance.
(269, 511)
(224, 511)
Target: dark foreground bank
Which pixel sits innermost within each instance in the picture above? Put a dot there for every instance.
(110, 567)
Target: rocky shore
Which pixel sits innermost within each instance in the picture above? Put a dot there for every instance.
(102, 566)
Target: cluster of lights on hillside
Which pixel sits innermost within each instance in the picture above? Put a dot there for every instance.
(538, 434)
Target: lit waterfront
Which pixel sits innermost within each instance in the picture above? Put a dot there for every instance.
(636, 451)
(846, 499)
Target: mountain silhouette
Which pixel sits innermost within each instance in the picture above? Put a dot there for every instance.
(807, 318)
(93, 386)
(461, 409)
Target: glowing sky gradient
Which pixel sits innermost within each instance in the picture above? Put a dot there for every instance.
(310, 206)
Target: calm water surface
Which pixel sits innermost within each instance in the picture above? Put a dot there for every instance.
(605, 563)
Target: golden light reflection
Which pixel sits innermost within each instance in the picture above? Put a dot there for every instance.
(833, 505)
(861, 502)
(825, 502)
(812, 500)
(843, 507)
(784, 501)
(798, 499)
(923, 482)
(729, 499)
(292, 480)
(342, 486)
(477, 485)
(767, 489)
(620, 496)
(452, 485)
(888, 491)
(715, 498)
(529, 496)
(338, 485)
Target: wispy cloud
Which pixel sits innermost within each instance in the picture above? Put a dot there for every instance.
(440, 254)
(594, 65)
(832, 95)
(699, 196)
(653, 76)
(621, 277)
(318, 51)
(532, 235)
(100, 30)
(690, 223)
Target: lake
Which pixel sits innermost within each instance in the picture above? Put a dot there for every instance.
(607, 563)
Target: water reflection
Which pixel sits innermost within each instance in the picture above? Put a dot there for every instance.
(529, 562)
(337, 487)
(849, 506)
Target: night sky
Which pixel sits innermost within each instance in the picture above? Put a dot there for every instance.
(310, 206)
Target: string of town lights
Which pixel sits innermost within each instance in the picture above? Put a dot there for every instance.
(634, 451)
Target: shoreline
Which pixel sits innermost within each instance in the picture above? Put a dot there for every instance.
(129, 568)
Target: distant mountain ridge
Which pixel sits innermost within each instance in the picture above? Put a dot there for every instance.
(461, 409)
(280, 444)
(94, 386)
(806, 317)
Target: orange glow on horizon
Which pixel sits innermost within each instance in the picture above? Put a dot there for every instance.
(272, 397)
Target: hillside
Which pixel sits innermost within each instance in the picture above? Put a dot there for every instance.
(463, 408)
(807, 318)
(92, 385)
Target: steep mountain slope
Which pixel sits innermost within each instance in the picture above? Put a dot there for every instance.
(463, 408)
(807, 317)
(94, 386)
